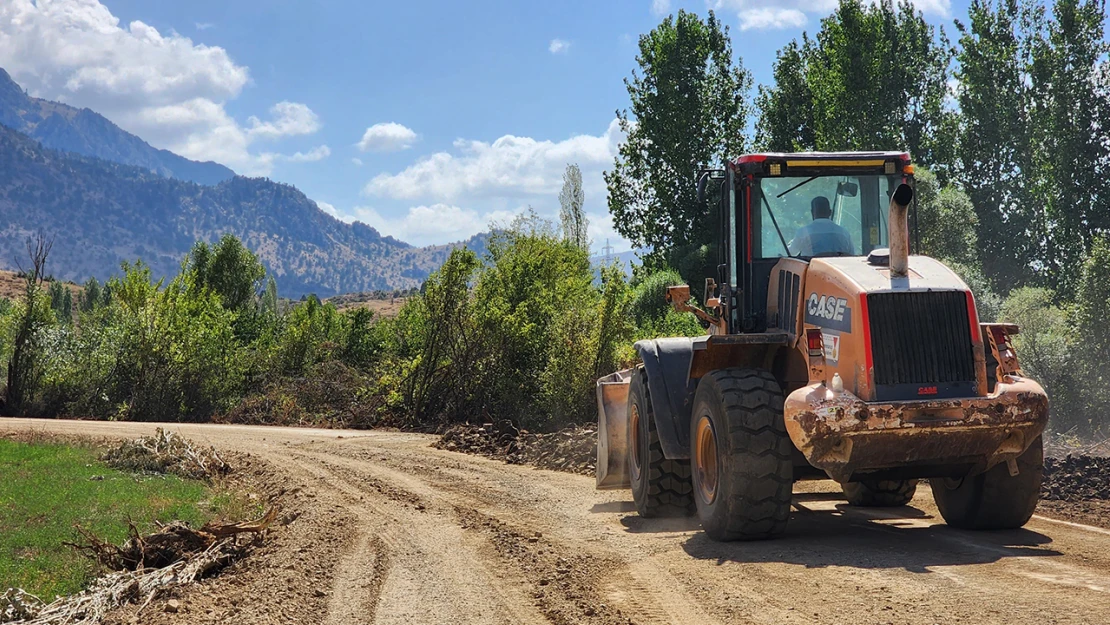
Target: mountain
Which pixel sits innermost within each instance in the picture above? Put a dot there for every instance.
(102, 213)
(62, 127)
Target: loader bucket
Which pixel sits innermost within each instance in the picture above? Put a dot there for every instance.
(612, 430)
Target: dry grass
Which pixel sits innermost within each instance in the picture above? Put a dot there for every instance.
(388, 307)
(11, 286)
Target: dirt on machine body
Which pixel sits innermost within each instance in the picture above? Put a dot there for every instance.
(830, 352)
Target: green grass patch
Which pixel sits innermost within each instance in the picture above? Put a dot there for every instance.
(47, 489)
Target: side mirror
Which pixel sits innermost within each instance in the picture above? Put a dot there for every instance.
(704, 177)
(847, 189)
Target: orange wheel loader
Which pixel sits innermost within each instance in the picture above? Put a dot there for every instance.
(831, 352)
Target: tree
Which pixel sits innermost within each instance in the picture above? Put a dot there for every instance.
(786, 109)
(995, 142)
(1090, 315)
(25, 361)
(67, 306)
(571, 215)
(689, 109)
(90, 295)
(228, 269)
(1070, 125)
(875, 77)
(946, 220)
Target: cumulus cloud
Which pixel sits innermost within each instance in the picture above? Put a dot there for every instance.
(166, 88)
(558, 46)
(773, 18)
(757, 15)
(289, 118)
(317, 153)
(433, 224)
(510, 166)
(327, 208)
(659, 8)
(357, 162)
(387, 137)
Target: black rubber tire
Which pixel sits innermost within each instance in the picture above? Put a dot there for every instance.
(880, 493)
(756, 476)
(662, 487)
(993, 500)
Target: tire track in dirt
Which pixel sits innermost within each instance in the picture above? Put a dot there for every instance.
(468, 557)
(437, 574)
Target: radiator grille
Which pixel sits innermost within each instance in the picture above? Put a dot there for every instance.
(921, 337)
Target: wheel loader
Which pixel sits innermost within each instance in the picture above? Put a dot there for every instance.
(830, 352)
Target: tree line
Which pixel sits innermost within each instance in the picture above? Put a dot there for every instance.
(1009, 124)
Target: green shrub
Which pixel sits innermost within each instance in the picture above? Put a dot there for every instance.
(1048, 351)
(649, 302)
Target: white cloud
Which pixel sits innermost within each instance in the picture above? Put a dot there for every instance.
(289, 118)
(508, 167)
(357, 162)
(558, 46)
(758, 15)
(327, 208)
(204, 25)
(771, 18)
(168, 89)
(387, 137)
(317, 153)
(659, 8)
(434, 224)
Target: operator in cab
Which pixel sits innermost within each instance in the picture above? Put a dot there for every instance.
(822, 237)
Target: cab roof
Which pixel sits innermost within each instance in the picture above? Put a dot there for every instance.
(822, 163)
(759, 157)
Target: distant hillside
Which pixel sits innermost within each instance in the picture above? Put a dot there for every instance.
(63, 127)
(102, 213)
(624, 259)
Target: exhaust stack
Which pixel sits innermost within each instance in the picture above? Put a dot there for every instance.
(898, 234)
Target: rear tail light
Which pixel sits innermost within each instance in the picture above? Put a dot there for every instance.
(1000, 337)
(816, 342)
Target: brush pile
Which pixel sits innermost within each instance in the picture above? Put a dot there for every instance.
(144, 567)
(167, 452)
(572, 449)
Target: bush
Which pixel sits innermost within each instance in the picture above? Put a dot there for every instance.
(1047, 349)
(649, 302)
(987, 303)
(1092, 305)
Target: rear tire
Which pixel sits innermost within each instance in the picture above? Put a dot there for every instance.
(880, 493)
(993, 500)
(743, 490)
(660, 487)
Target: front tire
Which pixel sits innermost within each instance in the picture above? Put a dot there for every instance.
(993, 500)
(743, 475)
(880, 493)
(660, 487)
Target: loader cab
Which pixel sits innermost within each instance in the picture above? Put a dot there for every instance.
(806, 205)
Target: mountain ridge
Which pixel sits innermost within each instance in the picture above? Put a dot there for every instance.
(83, 131)
(103, 213)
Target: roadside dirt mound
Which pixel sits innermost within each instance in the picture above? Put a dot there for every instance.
(572, 449)
(1076, 478)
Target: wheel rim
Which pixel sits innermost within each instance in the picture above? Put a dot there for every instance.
(705, 460)
(634, 423)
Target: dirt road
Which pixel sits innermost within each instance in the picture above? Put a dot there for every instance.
(392, 531)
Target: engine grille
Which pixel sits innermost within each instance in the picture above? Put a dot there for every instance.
(921, 338)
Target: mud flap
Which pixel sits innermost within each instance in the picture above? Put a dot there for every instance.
(612, 430)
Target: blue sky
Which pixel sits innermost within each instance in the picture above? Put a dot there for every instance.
(423, 119)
